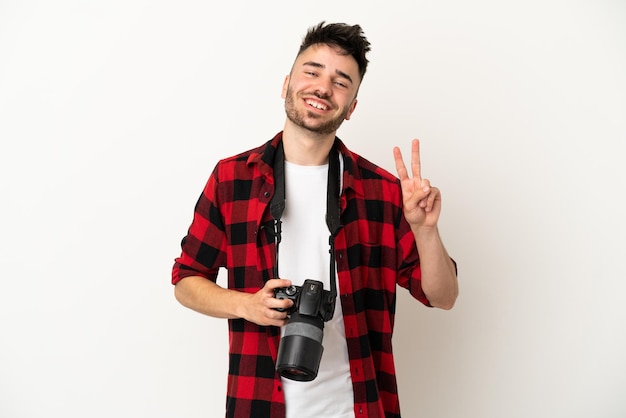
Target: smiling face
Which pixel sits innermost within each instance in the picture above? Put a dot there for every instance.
(320, 93)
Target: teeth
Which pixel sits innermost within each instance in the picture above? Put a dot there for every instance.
(316, 105)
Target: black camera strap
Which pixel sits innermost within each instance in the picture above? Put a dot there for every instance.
(277, 206)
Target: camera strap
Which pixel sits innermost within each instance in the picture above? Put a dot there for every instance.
(277, 205)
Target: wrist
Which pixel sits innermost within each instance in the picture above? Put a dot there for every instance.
(425, 233)
(241, 304)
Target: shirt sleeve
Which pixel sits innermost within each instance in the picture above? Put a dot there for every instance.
(409, 270)
(203, 248)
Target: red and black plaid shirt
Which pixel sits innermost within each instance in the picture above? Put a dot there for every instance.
(375, 251)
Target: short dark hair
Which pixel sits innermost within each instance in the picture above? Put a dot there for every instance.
(349, 38)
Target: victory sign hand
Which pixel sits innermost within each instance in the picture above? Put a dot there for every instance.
(422, 203)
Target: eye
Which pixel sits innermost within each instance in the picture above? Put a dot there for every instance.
(341, 84)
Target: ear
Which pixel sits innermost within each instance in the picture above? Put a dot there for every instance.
(352, 107)
(283, 94)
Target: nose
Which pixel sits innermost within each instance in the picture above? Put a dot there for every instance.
(324, 88)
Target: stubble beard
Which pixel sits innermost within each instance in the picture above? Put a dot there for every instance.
(307, 120)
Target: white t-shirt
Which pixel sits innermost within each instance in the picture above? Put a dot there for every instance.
(303, 254)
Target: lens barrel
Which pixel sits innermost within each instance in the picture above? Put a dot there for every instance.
(300, 350)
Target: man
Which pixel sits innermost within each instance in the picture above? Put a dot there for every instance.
(384, 235)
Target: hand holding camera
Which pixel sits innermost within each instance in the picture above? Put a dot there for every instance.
(262, 308)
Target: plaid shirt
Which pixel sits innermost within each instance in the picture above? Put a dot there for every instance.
(375, 251)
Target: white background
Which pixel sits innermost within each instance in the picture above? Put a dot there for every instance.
(112, 115)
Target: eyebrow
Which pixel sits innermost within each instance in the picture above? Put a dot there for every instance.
(318, 65)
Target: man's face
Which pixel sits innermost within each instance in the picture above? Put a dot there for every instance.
(320, 92)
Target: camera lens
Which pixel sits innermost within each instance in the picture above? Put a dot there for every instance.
(300, 349)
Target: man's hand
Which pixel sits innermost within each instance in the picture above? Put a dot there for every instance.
(422, 203)
(207, 297)
(260, 307)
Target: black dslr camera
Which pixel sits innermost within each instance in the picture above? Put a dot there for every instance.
(300, 349)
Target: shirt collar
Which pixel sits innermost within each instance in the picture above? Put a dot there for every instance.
(263, 157)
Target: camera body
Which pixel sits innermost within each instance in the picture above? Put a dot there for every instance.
(300, 350)
(309, 299)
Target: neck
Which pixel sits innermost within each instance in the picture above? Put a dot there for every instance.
(303, 147)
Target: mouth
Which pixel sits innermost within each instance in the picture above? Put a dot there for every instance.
(316, 104)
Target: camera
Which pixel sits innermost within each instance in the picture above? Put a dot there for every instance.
(300, 350)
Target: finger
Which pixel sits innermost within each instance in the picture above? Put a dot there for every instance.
(274, 304)
(279, 305)
(400, 167)
(416, 166)
(272, 284)
(276, 318)
(432, 197)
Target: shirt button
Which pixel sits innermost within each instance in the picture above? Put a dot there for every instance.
(266, 194)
